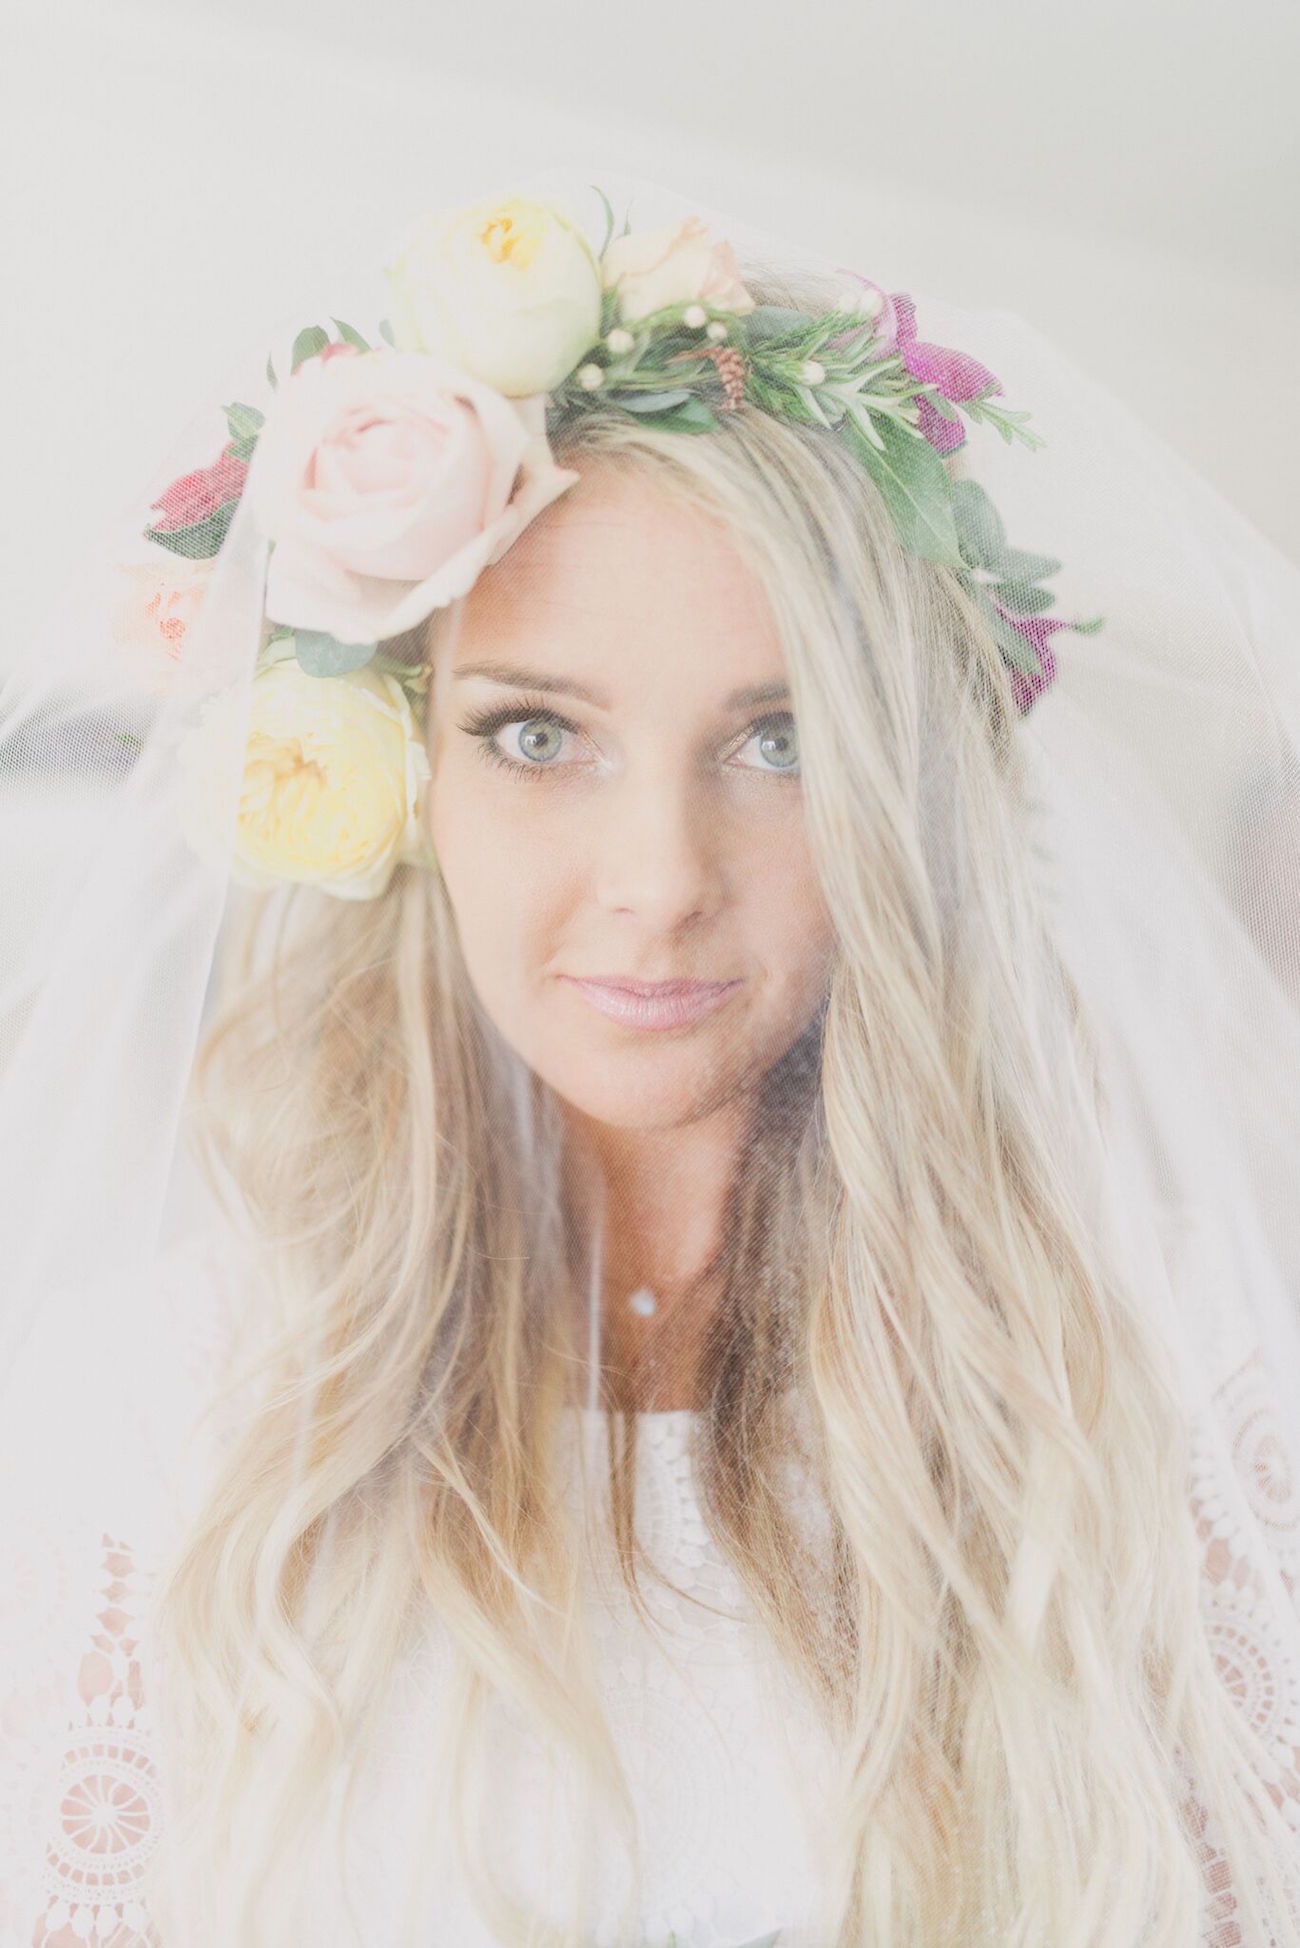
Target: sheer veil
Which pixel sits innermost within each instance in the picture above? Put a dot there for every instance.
(1164, 753)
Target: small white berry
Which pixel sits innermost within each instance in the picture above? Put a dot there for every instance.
(811, 373)
(589, 377)
(695, 316)
(717, 331)
(619, 341)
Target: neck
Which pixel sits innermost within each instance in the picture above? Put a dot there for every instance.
(651, 1212)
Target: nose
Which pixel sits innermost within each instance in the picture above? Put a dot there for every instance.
(661, 846)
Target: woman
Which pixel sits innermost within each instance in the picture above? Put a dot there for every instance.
(703, 1464)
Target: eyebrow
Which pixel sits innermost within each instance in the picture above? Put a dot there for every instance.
(524, 679)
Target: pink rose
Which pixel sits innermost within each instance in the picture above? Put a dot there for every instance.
(388, 481)
(678, 264)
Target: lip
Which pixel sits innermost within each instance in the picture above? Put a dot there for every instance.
(653, 1004)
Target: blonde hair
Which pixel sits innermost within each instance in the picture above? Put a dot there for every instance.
(1004, 1633)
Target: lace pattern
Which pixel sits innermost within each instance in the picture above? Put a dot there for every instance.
(707, 1723)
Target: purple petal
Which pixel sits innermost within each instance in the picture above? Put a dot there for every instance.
(956, 375)
(1026, 690)
(1027, 686)
(906, 310)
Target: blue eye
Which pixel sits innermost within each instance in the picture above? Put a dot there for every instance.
(540, 727)
(781, 737)
(540, 738)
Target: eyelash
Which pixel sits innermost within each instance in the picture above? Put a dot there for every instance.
(485, 723)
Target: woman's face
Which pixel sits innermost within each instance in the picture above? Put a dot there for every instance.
(616, 798)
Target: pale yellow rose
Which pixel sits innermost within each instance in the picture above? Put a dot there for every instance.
(333, 770)
(675, 265)
(508, 289)
(156, 607)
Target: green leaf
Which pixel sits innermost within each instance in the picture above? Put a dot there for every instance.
(350, 335)
(944, 407)
(916, 488)
(1016, 649)
(320, 654)
(245, 422)
(270, 371)
(310, 340)
(980, 526)
(609, 219)
(386, 332)
(651, 402)
(1023, 598)
(202, 539)
(769, 321)
(692, 416)
(1016, 566)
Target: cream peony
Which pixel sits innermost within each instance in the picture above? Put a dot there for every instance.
(676, 265)
(507, 289)
(333, 769)
(388, 481)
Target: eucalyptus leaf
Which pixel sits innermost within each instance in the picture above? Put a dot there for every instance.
(320, 654)
(916, 487)
(1023, 598)
(310, 340)
(980, 525)
(386, 332)
(350, 335)
(692, 416)
(270, 371)
(1016, 566)
(1016, 649)
(651, 402)
(768, 321)
(201, 540)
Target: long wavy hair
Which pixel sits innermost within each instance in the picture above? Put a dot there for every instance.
(1001, 1626)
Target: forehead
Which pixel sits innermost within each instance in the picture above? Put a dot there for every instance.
(618, 565)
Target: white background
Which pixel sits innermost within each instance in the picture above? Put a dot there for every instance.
(1122, 172)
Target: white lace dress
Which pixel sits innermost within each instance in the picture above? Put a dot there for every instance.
(725, 1765)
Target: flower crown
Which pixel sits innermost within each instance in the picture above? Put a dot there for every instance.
(388, 478)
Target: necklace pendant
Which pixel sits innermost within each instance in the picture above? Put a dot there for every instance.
(642, 1301)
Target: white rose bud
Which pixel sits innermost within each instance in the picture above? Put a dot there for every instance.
(695, 316)
(589, 377)
(619, 341)
(717, 331)
(811, 373)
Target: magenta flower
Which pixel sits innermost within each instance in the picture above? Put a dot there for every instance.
(954, 375)
(196, 495)
(1037, 631)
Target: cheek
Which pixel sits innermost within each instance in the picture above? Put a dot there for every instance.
(786, 920)
(498, 873)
